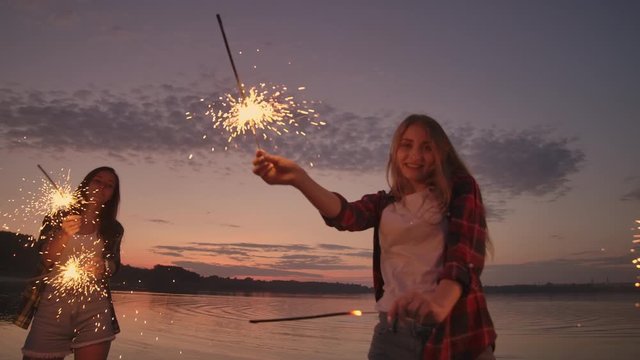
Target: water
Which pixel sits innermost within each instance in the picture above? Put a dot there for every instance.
(158, 326)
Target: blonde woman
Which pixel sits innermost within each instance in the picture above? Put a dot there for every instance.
(429, 244)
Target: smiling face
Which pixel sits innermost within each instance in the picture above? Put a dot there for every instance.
(414, 156)
(101, 187)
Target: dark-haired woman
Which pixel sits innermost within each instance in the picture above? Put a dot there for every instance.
(79, 322)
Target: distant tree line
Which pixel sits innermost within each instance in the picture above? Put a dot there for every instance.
(18, 259)
(174, 279)
(18, 262)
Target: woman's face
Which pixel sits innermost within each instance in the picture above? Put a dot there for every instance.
(415, 157)
(101, 187)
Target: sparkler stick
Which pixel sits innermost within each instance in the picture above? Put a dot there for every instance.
(49, 178)
(233, 65)
(295, 318)
(235, 73)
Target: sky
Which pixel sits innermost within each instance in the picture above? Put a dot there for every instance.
(541, 99)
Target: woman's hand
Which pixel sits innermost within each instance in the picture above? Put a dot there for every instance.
(71, 224)
(429, 309)
(419, 307)
(276, 169)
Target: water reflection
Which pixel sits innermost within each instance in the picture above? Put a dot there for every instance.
(167, 326)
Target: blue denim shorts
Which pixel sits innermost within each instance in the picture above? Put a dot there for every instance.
(400, 340)
(59, 327)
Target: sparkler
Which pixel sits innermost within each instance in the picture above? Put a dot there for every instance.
(295, 318)
(58, 198)
(262, 107)
(247, 112)
(75, 277)
(49, 198)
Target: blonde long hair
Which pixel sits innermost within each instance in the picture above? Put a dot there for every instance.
(446, 161)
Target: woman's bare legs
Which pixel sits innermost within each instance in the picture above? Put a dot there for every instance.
(98, 351)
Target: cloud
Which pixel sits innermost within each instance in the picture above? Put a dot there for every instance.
(159, 221)
(252, 260)
(90, 120)
(208, 269)
(528, 162)
(169, 253)
(495, 208)
(334, 247)
(315, 262)
(362, 254)
(230, 225)
(257, 246)
(149, 121)
(632, 195)
(185, 249)
(276, 257)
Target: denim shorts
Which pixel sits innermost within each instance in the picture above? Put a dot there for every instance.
(401, 340)
(59, 327)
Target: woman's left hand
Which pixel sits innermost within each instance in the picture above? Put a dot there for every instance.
(419, 307)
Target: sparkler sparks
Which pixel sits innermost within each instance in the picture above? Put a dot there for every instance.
(48, 199)
(261, 107)
(57, 198)
(264, 108)
(76, 278)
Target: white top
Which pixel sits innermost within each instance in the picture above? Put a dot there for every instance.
(82, 244)
(411, 236)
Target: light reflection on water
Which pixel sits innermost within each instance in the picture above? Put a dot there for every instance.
(218, 326)
(159, 326)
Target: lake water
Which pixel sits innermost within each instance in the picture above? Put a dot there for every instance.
(537, 327)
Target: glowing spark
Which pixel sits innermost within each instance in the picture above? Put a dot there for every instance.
(75, 278)
(356, 312)
(263, 108)
(47, 200)
(259, 108)
(56, 197)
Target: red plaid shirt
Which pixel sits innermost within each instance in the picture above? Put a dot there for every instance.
(468, 330)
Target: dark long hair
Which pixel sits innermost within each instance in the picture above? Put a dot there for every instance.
(108, 224)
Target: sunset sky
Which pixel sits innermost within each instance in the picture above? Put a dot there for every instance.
(542, 99)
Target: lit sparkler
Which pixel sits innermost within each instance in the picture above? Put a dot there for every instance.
(265, 108)
(56, 197)
(262, 107)
(76, 278)
(295, 318)
(49, 198)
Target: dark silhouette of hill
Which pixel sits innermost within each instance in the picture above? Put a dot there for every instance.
(174, 279)
(18, 258)
(18, 262)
